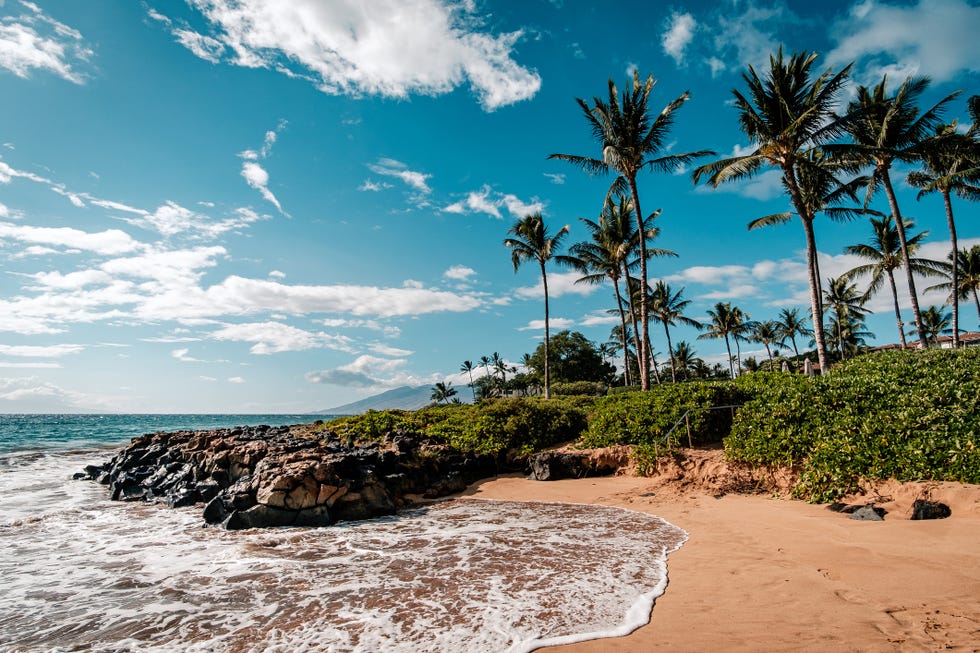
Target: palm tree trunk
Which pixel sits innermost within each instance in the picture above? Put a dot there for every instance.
(622, 322)
(731, 367)
(815, 304)
(898, 310)
(636, 330)
(906, 258)
(653, 358)
(670, 351)
(769, 354)
(955, 295)
(976, 300)
(547, 336)
(816, 308)
(643, 356)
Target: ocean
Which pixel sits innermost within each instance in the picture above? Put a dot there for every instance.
(80, 572)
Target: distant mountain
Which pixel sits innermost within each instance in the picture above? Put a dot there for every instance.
(404, 398)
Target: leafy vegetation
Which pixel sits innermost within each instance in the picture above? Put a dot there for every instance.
(903, 414)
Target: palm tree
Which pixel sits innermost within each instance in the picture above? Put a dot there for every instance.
(443, 392)
(850, 332)
(968, 278)
(950, 166)
(847, 303)
(936, 322)
(631, 141)
(684, 358)
(467, 367)
(725, 321)
(885, 255)
(887, 130)
(791, 324)
(785, 115)
(531, 241)
(668, 307)
(766, 332)
(610, 254)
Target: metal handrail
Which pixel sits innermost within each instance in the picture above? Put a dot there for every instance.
(684, 418)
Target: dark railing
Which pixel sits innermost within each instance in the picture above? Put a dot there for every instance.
(687, 420)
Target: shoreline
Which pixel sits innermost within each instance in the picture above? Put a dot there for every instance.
(762, 573)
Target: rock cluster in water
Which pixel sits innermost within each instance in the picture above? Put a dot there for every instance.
(255, 477)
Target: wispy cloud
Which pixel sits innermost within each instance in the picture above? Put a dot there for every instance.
(398, 170)
(254, 174)
(33, 41)
(486, 200)
(680, 32)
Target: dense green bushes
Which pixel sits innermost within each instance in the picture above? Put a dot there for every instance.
(906, 415)
(644, 418)
(487, 427)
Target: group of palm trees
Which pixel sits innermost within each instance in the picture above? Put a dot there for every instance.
(826, 160)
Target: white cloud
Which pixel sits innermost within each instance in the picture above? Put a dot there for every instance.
(364, 372)
(7, 174)
(764, 186)
(39, 351)
(398, 170)
(387, 350)
(486, 200)
(556, 178)
(276, 337)
(391, 48)
(559, 283)
(33, 41)
(181, 355)
(236, 379)
(373, 186)
(679, 34)
(254, 174)
(749, 33)
(599, 319)
(554, 324)
(110, 241)
(459, 273)
(936, 38)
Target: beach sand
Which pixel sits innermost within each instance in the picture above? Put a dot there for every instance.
(772, 574)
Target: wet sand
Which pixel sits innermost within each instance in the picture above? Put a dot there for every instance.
(761, 573)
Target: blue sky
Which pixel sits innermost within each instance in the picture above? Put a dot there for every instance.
(262, 206)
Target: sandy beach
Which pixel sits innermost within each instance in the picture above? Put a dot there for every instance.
(760, 573)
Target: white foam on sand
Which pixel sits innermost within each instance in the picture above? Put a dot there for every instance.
(468, 574)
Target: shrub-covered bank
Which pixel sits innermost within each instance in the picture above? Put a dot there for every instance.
(908, 415)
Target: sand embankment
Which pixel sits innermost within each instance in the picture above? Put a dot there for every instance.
(761, 573)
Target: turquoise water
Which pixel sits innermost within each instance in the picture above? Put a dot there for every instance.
(67, 432)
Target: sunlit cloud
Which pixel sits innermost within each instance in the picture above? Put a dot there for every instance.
(33, 41)
(392, 48)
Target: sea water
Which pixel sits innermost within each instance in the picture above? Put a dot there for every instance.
(79, 572)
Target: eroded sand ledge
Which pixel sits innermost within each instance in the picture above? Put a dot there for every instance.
(769, 574)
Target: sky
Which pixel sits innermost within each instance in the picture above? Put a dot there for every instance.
(253, 206)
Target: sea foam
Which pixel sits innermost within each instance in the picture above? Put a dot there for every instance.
(80, 572)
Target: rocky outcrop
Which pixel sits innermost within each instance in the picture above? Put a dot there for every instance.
(924, 509)
(559, 464)
(254, 477)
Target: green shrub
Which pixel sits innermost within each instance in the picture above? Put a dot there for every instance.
(585, 388)
(907, 415)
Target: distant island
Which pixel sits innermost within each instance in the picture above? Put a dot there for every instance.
(403, 398)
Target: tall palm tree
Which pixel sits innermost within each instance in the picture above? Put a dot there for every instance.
(532, 242)
(684, 358)
(785, 115)
(610, 254)
(968, 278)
(668, 307)
(850, 332)
(847, 304)
(725, 321)
(630, 142)
(791, 324)
(766, 332)
(951, 165)
(467, 367)
(884, 254)
(936, 323)
(888, 130)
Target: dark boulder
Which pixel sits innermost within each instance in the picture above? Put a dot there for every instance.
(868, 513)
(557, 465)
(923, 509)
